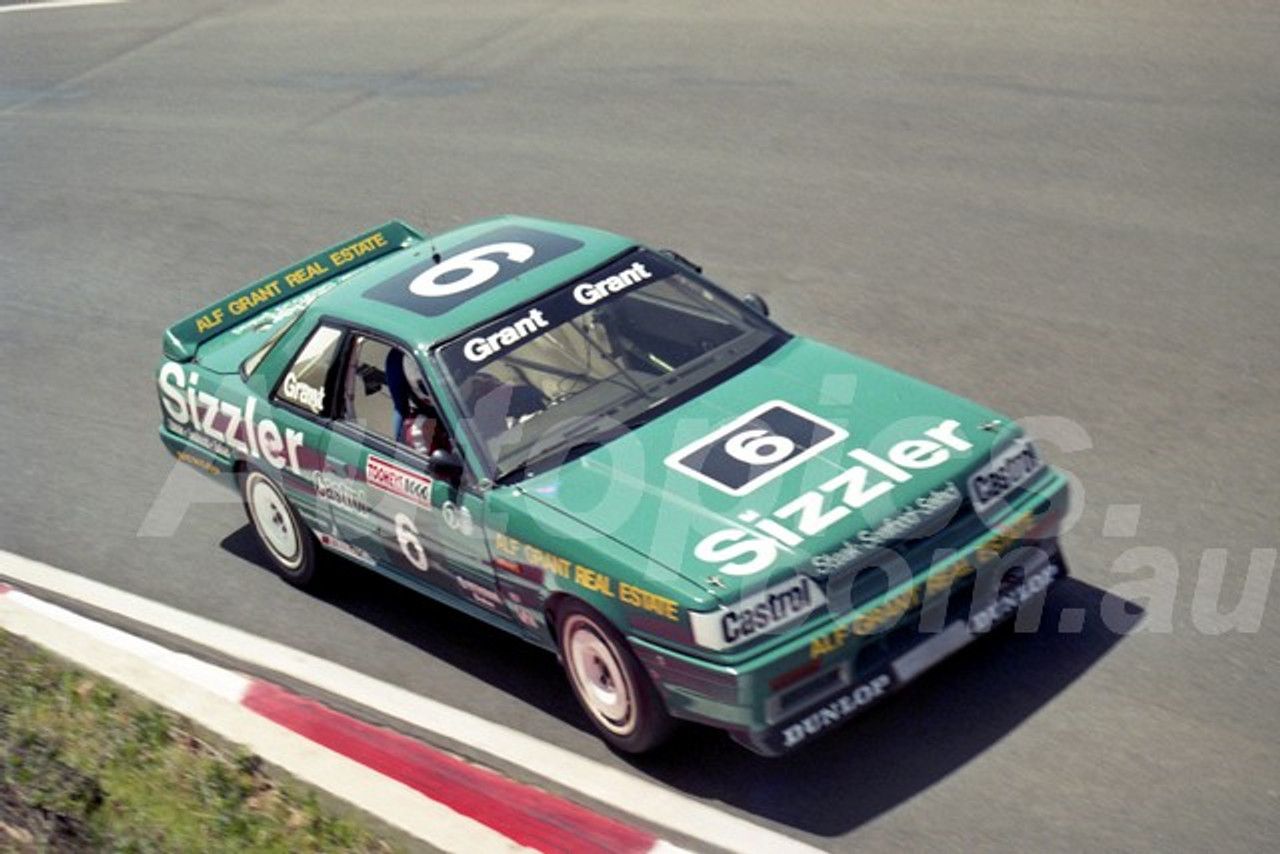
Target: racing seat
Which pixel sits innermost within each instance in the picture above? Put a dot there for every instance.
(414, 421)
(398, 386)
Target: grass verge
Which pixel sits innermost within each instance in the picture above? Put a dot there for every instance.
(86, 766)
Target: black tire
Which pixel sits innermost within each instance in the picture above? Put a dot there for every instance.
(289, 544)
(612, 688)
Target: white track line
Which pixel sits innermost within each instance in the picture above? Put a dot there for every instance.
(217, 680)
(56, 4)
(211, 696)
(628, 794)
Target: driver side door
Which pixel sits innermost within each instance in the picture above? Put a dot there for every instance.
(425, 532)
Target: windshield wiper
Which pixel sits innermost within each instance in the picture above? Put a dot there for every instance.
(567, 435)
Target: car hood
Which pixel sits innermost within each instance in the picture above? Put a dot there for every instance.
(781, 468)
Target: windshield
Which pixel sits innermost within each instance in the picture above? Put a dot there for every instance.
(601, 354)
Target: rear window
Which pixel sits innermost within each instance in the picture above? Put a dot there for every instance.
(310, 378)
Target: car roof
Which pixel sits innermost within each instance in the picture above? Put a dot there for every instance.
(377, 296)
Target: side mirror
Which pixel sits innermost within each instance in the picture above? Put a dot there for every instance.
(756, 303)
(445, 465)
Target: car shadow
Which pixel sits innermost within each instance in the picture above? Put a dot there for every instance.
(917, 737)
(494, 656)
(845, 779)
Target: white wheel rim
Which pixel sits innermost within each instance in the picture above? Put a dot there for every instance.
(274, 521)
(602, 681)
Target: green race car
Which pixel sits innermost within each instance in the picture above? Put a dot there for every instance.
(586, 442)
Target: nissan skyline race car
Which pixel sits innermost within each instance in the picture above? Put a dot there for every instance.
(586, 442)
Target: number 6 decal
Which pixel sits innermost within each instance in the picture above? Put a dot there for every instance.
(756, 447)
(759, 447)
(410, 545)
(475, 264)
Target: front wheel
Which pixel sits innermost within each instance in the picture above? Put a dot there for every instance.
(288, 543)
(611, 686)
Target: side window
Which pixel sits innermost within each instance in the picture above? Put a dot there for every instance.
(310, 379)
(369, 402)
(388, 396)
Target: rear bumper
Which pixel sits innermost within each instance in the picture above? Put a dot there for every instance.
(198, 451)
(831, 670)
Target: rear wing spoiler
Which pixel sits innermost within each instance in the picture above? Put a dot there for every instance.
(185, 337)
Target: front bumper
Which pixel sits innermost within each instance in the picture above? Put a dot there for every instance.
(904, 654)
(833, 669)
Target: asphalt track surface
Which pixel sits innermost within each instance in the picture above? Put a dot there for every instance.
(1068, 211)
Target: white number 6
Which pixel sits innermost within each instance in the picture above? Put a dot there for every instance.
(410, 545)
(759, 447)
(475, 263)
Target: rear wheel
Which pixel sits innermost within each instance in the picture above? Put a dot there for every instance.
(613, 689)
(288, 543)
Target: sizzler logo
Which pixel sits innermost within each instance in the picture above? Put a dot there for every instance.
(210, 420)
(397, 481)
(771, 609)
(744, 550)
